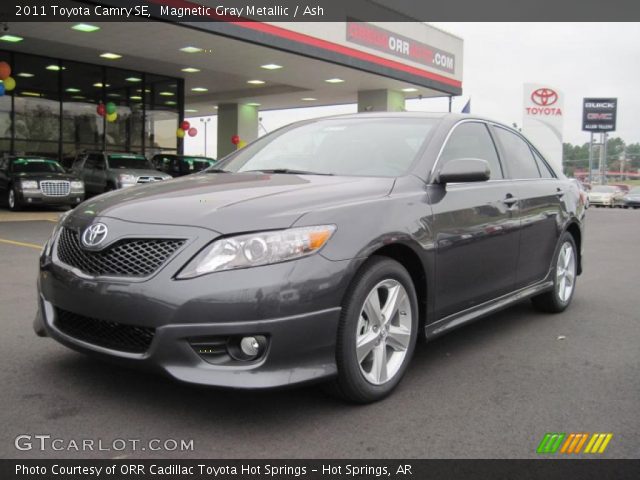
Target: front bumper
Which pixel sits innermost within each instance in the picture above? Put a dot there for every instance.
(294, 304)
(36, 197)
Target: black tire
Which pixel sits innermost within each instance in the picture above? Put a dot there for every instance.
(351, 383)
(550, 302)
(12, 200)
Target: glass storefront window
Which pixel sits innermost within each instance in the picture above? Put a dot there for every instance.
(37, 106)
(82, 127)
(54, 109)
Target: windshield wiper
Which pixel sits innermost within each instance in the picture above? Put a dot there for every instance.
(288, 171)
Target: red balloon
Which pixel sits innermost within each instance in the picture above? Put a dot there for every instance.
(185, 126)
(5, 70)
(235, 139)
(193, 131)
(101, 110)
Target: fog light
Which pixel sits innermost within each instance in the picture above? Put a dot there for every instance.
(250, 346)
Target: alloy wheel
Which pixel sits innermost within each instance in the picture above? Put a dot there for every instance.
(383, 332)
(565, 272)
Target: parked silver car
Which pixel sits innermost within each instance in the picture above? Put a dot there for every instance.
(102, 172)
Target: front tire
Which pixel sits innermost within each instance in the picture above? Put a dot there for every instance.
(12, 200)
(565, 269)
(377, 331)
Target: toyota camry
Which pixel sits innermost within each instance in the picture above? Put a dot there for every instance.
(321, 251)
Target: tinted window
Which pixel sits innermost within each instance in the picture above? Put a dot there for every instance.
(545, 170)
(472, 140)
(519, 157)
(129, 161)
(36, 165)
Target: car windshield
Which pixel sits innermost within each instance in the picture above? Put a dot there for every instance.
(361, 147)
(129, 161)
(603, 189)
(36, 165)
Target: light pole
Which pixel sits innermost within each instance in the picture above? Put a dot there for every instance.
(205, 123)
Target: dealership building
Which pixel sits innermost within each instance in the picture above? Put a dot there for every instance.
(158, 73)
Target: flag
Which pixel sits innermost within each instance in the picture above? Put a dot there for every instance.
(467, 107)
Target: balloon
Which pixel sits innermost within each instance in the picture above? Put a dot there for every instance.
(193, 131)
(241, 144)
(9, 84)
(5, 70)
(111, 108)
(112, 117)
(185, 126)
(100, 110)
(1, 89)
(180, 133)
(235, 139)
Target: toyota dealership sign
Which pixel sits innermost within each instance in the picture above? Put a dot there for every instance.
(543, 120)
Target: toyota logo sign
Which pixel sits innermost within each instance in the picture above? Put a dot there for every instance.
(94, 235)
(544, 97)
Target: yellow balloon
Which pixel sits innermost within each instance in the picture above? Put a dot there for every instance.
(241, 144)
(9, 84)
(180, 133)
(112, 117)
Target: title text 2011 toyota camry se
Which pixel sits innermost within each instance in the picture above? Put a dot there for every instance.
(320, 251)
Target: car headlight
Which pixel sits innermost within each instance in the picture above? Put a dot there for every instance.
(127, 180)
(257, 249)
(77, 185)
(29, 184)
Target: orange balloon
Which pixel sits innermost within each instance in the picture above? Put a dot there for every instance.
(5, 70)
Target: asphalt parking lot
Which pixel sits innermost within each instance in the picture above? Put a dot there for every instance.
(489, 390)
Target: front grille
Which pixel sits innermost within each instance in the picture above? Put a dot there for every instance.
(113, 335)
(54, 188)
(130, 257)
(149, 179)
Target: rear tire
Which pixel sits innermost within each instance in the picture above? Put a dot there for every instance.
(565, 268)
(377, 331)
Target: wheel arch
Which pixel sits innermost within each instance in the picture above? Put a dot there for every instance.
(574, 230)
(411, 261)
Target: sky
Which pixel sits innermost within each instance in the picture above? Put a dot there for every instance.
(579, 59)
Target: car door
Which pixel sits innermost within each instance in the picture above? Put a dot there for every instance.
(541, 199)
(4, 179)
(475, 226)
(99, 174)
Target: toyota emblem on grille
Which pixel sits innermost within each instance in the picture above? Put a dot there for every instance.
(94, 235)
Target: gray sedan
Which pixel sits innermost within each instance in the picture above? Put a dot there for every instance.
(320, 252)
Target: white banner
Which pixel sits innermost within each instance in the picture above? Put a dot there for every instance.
(543, 115)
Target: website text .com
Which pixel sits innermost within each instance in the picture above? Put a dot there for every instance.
(45, 442)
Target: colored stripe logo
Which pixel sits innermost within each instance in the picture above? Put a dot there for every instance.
(574, 443)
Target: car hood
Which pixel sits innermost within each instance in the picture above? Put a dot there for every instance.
(232, 202)
(138, 172)
(44, 176)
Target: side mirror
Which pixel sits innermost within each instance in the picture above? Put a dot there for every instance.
(463, 170)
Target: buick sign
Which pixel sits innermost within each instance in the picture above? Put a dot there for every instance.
(599, 114)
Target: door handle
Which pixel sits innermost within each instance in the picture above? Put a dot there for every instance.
(510, 200)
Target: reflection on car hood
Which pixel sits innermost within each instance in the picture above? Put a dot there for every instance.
(230, 202)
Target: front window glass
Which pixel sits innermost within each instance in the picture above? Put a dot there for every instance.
(129, 161)
(36, 165)
(472, 140)
(372, 147)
